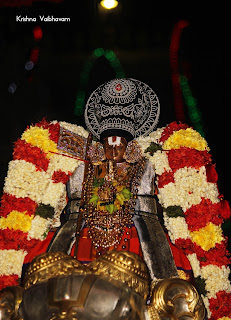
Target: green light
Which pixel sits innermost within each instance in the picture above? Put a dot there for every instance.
(110, 55)
(98, 52)
(84, 76)
(191, 102)
(120, 74)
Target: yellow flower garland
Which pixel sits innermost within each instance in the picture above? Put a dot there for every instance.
(208, 236)
(16, 220)
(40, 137)
(186, 138)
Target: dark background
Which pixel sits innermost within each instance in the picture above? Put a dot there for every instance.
(139, 33)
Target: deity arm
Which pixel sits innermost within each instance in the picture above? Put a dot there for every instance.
(155, 248)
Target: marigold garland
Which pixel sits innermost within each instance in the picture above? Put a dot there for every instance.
(16, 220)
(170, 129)
(39, 137)
(186, 138)
(208, 236)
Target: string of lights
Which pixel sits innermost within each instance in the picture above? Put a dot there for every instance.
(174, 64)
(84, 76)
(191, 103)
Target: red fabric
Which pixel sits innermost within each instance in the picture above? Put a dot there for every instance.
(86, 251)
(180, 259)
(40, 248)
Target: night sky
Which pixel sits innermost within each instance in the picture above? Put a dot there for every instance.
(139, 34)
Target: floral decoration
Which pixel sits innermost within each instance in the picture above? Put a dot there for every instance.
(34, 194)
(193, 209)
(186, 181)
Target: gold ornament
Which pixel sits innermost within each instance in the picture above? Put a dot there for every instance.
(51, 265)
(133, 152)
(106, 228)
(125, 267)
(96, 153)
(175, 298)
(115, 266)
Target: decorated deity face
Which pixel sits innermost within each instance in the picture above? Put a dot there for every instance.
(114, 148)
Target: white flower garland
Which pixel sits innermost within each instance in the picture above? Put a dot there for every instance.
(190, 186)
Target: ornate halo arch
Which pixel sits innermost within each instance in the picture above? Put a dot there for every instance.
(124, 104)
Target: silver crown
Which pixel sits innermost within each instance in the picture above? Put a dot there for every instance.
(123, 104)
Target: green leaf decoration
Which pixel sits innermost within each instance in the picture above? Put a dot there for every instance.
(94, 199)
(98, 182)
(174, 211)
(200, 285)
(110, 208)
(126, 193)
(45, 211)
(153, 148)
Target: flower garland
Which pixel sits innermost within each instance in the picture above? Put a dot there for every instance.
(34, 197)
(193, 209)
(34, 194)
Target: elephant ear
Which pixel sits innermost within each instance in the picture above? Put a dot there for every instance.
(34, 193)
(194, 210)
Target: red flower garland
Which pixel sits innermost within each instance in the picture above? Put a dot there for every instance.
(218, 255)
(187, 157)
(198, 216)
(165, 178)
(186, 245)
(7, 281)
(16, 239)
(29, 153)
(54, 129)
(60, 176)
(221, 307)
(225, 211)
(211, 173)
(169, 129)
(10, 202)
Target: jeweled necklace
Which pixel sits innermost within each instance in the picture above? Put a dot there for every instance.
(109, 203)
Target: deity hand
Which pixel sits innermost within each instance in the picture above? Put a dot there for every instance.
(10, 299)
(176, 299)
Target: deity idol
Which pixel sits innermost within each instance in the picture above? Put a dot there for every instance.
(111, 258)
